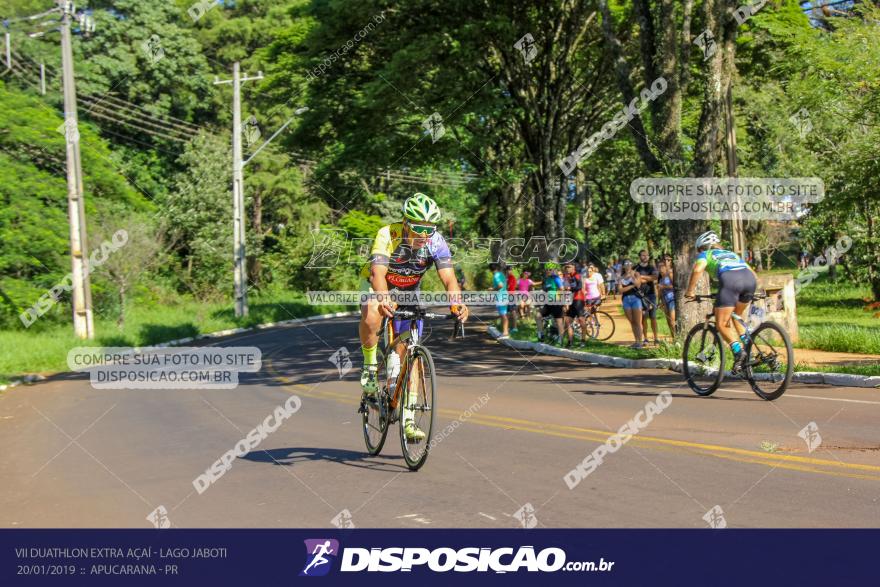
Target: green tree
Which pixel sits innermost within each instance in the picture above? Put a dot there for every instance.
(198, 212)
(33, 196)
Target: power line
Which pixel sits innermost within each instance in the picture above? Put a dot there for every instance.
(20, 69)
(133, 140)
(172, 120)
(23, 56)
(127, 115)
(99, 114)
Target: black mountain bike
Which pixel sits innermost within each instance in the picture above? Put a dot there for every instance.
(707, 358)
(413, 389)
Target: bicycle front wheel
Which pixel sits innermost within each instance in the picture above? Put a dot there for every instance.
(417, 405)
(600, 325)
(703, 359)
(771, 361)
(375, 412)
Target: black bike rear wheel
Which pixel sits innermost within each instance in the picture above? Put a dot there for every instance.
(703, 359)
(376, 413)
(417, 399)
(771, 361)
(600, 325)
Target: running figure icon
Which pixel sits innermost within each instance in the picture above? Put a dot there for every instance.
(319, 551)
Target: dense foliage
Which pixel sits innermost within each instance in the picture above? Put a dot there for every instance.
(373, 74)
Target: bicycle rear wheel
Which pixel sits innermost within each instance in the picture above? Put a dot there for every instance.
(376, 413)
(703, 359)
(600, 325)
(418, 401)
(771, 361)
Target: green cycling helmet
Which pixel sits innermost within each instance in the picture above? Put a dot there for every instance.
(421, 208)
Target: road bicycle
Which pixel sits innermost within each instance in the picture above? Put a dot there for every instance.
(600, 325)
(706, 358)
(413, 388)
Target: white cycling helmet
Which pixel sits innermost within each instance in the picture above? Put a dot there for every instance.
(707, 239)
(421, 208)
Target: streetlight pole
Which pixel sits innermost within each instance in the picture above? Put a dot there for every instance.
(238, 209)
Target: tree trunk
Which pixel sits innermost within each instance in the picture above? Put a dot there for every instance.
(684, 233)
(873, 254)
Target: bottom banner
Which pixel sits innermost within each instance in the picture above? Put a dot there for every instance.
(438, 557)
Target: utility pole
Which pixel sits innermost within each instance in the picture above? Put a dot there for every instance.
(81, 284)
(238, 210)
(81, 291)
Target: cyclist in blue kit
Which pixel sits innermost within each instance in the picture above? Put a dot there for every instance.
(736, 288)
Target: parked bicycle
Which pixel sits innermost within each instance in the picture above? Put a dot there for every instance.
(600, 325)
(707, 358)
(412, 390)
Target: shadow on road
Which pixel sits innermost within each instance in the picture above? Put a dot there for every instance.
(291, 456)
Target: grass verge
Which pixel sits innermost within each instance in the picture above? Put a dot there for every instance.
(43, 348)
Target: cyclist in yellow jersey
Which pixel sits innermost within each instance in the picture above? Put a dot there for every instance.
(402, 253)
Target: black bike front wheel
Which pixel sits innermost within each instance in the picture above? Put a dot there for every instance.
(376, 413)
(771, 361)
(703, 359)
(418, 404)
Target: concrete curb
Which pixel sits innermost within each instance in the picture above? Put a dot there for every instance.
(835, 379)
(219, 334)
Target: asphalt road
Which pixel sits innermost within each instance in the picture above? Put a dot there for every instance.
(74, 456)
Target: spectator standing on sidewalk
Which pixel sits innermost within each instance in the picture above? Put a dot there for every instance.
(523, 285)
(611, 280)
(511, 306)
(552, 285)
(499, 284)
(632, 302)
(648, 290)
(667, 292)
(574, 284)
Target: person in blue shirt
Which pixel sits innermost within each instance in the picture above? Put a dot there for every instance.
(552, 284)
(499, 284)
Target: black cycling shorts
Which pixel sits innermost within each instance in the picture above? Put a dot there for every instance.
(736, 285)
(554, 310)
(575, 309)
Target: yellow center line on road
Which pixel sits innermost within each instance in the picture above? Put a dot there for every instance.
(792, 462)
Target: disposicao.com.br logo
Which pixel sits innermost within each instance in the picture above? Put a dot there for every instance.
(442, 560)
